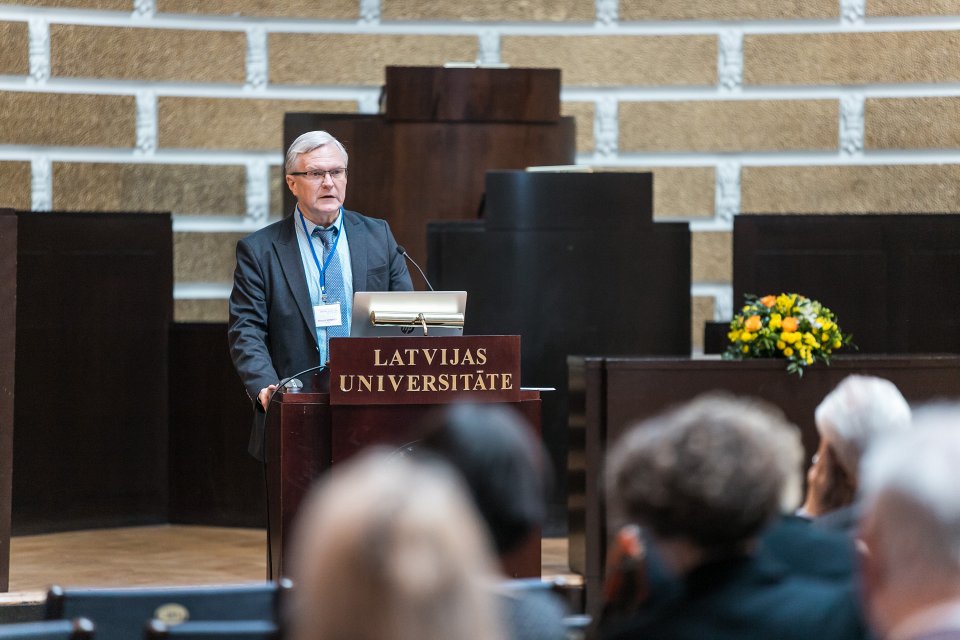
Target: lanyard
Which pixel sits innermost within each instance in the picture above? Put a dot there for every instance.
(326, 263)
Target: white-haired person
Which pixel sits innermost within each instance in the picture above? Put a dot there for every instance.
(389, 548)
(910, 531)
(860, 411)
(699, 485)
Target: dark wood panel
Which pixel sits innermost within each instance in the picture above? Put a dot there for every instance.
(472, 95)
(571, 274)
(884, 275)
(213, 480)
(8, 337)
(412, 172)
(615, 393)
(93, 314)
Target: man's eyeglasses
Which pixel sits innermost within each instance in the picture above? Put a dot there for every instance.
(318, 175)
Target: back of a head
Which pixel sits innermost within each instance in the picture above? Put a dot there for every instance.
(909, 486)
(501, 462)
(390, 548)
(713, 471)
(858, 412)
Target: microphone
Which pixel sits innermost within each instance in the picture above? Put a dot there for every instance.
(406, 255)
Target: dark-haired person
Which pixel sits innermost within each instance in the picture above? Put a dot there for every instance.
(702, 483)
(505, 470)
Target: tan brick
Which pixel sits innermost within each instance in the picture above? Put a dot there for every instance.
(67, 119)
(206, 310)
(851, 58)
(316, 9)
(727, 9)
(711, 258)
(701, 312)
(494, 10)
(728, 125)
(618, 60)
(14, 56)
(223, 123)
(851, 189)
(583, 113)
(277, 188)
(179, 189)
(147, 54)
(913, 7)
(358, 58)
(678, 192)
(912, 123)
(204, 257)
(104, 5)
(15, 185)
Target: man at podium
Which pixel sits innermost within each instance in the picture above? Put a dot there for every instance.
(295, 279)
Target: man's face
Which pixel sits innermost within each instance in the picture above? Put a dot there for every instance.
(319, 199)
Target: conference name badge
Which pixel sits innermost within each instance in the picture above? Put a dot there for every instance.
(327, 315)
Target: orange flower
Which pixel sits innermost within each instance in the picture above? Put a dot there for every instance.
(752, 324)
(768, 301)
(790, 324)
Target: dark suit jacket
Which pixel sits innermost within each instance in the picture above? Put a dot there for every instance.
(271, 331)
(756, 597)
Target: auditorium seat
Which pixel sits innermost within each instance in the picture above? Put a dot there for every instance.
(78, 629)
(245, 629)
(121, 614)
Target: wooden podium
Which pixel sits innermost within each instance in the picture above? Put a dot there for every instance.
(375, 393)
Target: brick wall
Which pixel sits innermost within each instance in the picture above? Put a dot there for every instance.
(737, 106)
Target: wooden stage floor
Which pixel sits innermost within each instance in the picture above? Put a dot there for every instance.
(159, 555)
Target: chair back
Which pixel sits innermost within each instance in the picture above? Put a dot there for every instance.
(79, 629)
(242, 629)
(121, 614)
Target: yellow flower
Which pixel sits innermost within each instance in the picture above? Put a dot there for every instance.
(775, 320)
(788, 352)
(745, 349)
(824, 337)
(781, 344)
(836, 344)
(734, 335)
(809, 359)
(824, 324)
(790, 337)
(811, 341)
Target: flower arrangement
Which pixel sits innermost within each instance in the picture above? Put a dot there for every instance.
(787, 326)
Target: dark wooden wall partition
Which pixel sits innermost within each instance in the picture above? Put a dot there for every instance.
(884, 275)
(574, 264)
(425, 158)
(8, 334)
(213, 480)
(92, 318)
(608, 395)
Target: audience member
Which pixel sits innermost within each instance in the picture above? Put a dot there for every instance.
(505, 469)
(388, 548)
(701, 483)
(857, 413)
(910, 531)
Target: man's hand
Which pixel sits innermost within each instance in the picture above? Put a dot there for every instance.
(264, 395)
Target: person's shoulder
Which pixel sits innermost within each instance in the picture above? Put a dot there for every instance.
(357, 218)
(266, 234)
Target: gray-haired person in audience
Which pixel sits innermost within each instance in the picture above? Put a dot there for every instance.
(389, 548)
(702, 482)
(910, 530)
(860, 411)
(506, 472)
